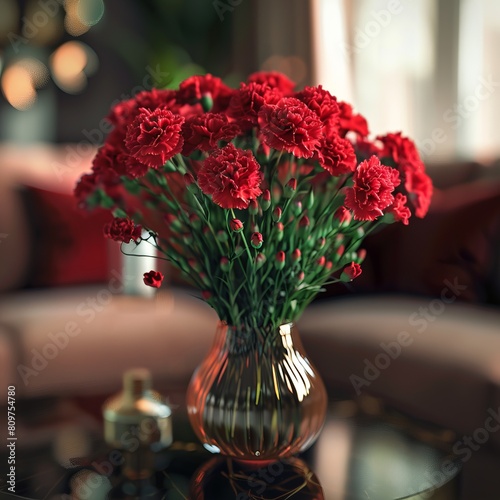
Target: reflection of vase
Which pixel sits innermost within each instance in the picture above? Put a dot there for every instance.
(224, 478)
(256, 396)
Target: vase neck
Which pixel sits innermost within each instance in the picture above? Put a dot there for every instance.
(238, 340)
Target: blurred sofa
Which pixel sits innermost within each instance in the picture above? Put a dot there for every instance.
(66, 328)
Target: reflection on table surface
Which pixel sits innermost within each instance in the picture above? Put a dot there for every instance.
(365, 452)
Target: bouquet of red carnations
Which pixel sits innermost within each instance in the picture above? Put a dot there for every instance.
(261, 195)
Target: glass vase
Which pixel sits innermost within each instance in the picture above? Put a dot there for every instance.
(256, 396)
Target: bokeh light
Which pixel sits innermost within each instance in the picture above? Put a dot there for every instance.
(70, 64)
(81, 15)
(20, 81)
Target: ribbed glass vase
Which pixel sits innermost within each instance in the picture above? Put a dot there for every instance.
(256, 396)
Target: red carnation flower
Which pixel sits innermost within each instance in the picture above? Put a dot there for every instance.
(122, 229)
(372, 189)
(133, 168)
(343, 215)
(247, 101)
(399, 210)
(154, 136)
(153, 278)
(353, 270)
(111, 162)
(405, 154)
(291, 126)
(351, 122)
(274, 80)
(336, 155)
(107, 160)
(402, 150)
(194, 88)
(324, 105)
(232, 176)
(84, 187)
(122, 114)
(204, 132)
(367, 148)
(156, 98)
(419, 186)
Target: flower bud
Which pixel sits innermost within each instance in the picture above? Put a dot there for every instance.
(297, 208)
(321, 261)
(256, 240)
(206, 102)
(350, 272)
(296, 255)
(304, 221)
(206, 295)
(304, 225)
(224, 264)
(265, 201)
(253, 207)
(279, 260)
(194, 220)
(320, 243)
(276, 193)
(329, 265)
(343, 215)
(236, 225)
(290, 188)
(204, 278)
(340, 250)
(361, 255)
(260, 258)
(277, 213)
(279, 231)
(190, 182)
(301, 276)
(174, 223)
(222, 236)
(193, 264)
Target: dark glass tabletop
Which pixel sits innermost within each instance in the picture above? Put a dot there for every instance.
(366, 451)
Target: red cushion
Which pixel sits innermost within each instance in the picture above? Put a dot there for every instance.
(68, 245)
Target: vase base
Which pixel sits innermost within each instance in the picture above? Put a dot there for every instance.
(223, 477)
(255, 463)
